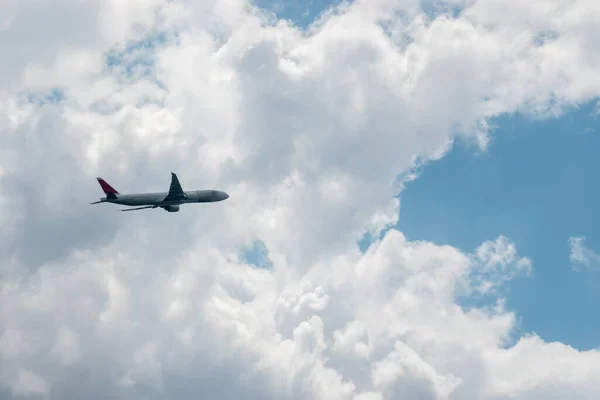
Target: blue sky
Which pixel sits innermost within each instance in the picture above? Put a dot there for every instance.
(302, 13)
(535, 185)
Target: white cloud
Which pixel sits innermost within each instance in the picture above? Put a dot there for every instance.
(308, 132)
(581, 256)
(499, 264)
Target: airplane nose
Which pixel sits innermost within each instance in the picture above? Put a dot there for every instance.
(220, 196)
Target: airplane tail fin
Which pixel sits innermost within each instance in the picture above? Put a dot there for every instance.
(110, 191)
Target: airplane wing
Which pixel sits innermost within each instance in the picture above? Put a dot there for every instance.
(175, 190)
(137, 208)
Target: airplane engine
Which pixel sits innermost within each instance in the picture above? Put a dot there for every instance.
(173, 208)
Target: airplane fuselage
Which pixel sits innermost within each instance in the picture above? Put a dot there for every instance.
(158, 199)
(169, 201)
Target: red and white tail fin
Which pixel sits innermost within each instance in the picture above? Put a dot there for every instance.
(106, 187)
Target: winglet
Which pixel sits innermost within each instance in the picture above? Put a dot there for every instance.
(106, 187)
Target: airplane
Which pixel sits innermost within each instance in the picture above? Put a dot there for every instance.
(169, 201)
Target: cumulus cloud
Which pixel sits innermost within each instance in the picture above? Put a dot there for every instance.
(582, 257)
(311, 133)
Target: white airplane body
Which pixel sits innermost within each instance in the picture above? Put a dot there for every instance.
(169, 201)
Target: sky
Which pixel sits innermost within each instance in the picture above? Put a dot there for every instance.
(538, 174)
(535, 184)
(411, 213)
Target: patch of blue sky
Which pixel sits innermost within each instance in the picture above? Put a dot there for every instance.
(117, 55)
(135, 60)
(537, 185)
(304, 13)
(132, 62)
(434, 8)
(367, 239)
(52, 96)
(301, 13)
(257, 256)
